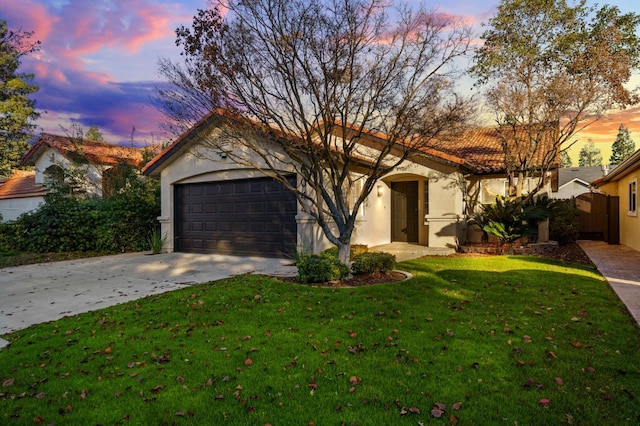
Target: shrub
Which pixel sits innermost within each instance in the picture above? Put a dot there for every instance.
(356, 249)
(372, 262)
(317, 268)
(564, 226)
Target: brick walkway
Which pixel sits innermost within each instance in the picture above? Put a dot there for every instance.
(620, 265)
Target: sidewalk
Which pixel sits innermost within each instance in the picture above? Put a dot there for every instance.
(620, 265)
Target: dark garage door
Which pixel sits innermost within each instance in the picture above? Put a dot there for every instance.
(248, 217)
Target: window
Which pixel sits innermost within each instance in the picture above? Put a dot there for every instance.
(633, 198)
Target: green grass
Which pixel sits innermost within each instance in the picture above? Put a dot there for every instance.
(8, 259)
(496, 334)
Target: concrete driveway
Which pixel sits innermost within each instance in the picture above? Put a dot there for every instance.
(45, 292)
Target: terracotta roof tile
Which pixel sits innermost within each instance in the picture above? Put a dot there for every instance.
(94, 152)
(21, 184)
(481, 149)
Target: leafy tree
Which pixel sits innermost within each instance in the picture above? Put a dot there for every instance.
(590, 155)
(309, 79)
(622, 147)
(94, 134)
(565, 159)
(552, 70)
(16, 109)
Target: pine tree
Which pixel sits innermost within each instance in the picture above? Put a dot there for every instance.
(590, 155)
(565, 159)
(16, 109)
(622, 147)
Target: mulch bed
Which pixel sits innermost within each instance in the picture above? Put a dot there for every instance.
(568, 253)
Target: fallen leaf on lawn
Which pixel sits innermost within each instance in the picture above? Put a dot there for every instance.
(453, 420)
(526, 339)
(559, 381)
(38, 419)
(440, 406)
(8, 382)
(403, 411)
(83, 394)
(414, 410)
(553, 355)
(575, 319)
(576, 344)
(248, 362)
(180, 413)
(156, 390)
(545, 401)
(436, 412)
(134, 374)
(353, 380)
(108, 350)
(352, 389)
(456, 406)
(180, 379)
(219, 396)
(41, 395)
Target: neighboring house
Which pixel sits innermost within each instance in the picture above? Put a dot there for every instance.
(575, 181)
(19, 194)
(212, 205)
(622, 182)
(88, 167)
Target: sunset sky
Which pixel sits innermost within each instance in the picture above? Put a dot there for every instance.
(98, 61)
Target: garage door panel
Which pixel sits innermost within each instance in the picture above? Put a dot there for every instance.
(244, 217)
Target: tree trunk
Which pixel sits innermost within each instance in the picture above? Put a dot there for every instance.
(344, 253)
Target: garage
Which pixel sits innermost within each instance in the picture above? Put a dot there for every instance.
(245, 217)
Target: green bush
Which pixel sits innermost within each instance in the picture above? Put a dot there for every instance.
(318, 268)
(564, 225)
(372, 262)
(356, 249)
(65, 223)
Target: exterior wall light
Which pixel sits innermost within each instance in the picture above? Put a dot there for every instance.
(379, 190)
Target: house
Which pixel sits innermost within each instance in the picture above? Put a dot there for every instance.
(213, 205)
(575, 181)
(87, 166)
(622, 182)
(19, 193)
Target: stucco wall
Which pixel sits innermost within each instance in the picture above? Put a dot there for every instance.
(629, 222)
(93, 182)
(14, 207)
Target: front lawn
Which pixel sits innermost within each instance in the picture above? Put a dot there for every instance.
(469, 340)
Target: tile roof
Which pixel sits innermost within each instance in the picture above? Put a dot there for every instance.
(480, 149)
(95, 152)
(21, 184)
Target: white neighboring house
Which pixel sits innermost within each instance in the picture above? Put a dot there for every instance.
(19, 194)
(95, 164)
(213, 205)
(575, 181)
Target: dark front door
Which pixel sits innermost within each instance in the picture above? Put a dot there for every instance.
(247, 217)
(404, 212)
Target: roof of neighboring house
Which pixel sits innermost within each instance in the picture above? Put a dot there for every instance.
(585, 175)
(95, 152)
(478, 150)
(21, 184)
(627, 166)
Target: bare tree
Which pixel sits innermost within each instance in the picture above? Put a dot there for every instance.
(553, 70)
(321, 88)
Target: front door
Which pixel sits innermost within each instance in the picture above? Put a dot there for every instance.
(404, 212)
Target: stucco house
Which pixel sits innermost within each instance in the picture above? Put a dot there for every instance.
(622, 182)
(575, 181)
(213, 205)
(95, 163)
(88, 166)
